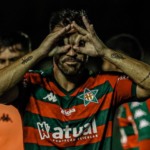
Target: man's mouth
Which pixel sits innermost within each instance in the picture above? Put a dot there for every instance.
(72, 61)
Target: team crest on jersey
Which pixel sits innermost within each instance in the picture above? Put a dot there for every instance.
(88, 96)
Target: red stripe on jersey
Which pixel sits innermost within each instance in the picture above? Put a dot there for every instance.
(56, 90)
(148, 104)
(50, 110)
(123, 122)
(90, 83)
(33, 78)
(132, 142)
(144, 144)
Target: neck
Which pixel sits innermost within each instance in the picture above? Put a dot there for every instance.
(66, 82)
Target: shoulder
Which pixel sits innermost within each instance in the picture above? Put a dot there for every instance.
(112, 76)
(42, 73)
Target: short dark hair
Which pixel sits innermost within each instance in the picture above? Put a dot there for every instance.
(10, 38)
(127, 44)
(64, 17)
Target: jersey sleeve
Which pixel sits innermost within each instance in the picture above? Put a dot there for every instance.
(134, 121)
(127, 128)
(32, 77)
(125, 90)
(141, 114)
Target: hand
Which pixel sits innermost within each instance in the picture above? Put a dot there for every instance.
(93, 45)
(59, 50)
(47, 46)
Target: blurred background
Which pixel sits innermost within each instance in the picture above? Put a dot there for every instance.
(109, 17)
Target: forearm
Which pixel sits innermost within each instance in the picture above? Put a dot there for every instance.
(12, 74)
(136, 70)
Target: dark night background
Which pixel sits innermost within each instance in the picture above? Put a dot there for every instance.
(109, 17)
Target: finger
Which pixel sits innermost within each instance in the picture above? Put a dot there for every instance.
(81, 41)
(86, 23)
(72, 30)
(61, 32)
(92, 30)
(63, 49)
(78, 49)
(58, 50)
(78, 39)
(89, 26)
(54, 36)
(79, 29)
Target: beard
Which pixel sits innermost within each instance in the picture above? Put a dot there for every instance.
(69, 69)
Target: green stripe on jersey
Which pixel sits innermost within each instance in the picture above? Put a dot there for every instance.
(101, 118)
(106, 145)
(129, 130)
(122, 112)
(141, 117)
(32, 121)
(69, 101)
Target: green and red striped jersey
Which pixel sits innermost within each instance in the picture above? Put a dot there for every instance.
(134, 124)
(79, 119)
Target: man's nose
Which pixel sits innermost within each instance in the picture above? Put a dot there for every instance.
(71, 52)
(7, 63)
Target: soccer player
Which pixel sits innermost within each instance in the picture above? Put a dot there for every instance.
(68, 108)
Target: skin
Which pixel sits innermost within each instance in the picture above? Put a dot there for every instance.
(10, 75)
(71, 62)
(68, 65)
(9, 55)
(107, 66)
(137, 70)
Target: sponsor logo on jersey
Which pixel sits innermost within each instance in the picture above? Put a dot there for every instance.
(139, 113)
(123, 77)
(89, 96)
(50, 97)
(144, 123)
(67, 134)
(135, 104)
(67, 112)
(43, 129)
(5, 118)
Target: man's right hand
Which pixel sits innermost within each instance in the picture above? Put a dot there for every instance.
(47, 46)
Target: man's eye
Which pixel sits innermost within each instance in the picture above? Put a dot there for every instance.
(61, 43)
(2, 61)
(14, 59)
(82, 43)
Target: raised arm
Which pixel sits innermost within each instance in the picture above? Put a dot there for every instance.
(138, 71)
(12, 74)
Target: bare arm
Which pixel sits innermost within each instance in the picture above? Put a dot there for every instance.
(138, 71)
(12, 74)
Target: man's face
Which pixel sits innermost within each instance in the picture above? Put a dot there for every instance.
(71, 62)
(10, 54)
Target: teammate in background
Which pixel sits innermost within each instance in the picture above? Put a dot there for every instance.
(13, 45)
(133, 118)
(68, 108)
